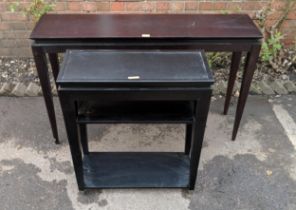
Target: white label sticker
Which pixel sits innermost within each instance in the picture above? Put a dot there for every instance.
(145, 35)
(134, 77)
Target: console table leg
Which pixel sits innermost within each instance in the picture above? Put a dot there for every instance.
(250, 67)
(69, 111)
(54, 62)
(199, 126)
(83, 138)
(42, 70)
(235, 62)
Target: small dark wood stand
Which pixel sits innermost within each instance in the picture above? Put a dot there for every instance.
(135, 87)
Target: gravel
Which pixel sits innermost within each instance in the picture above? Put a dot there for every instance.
(14, 70)
(284, 68)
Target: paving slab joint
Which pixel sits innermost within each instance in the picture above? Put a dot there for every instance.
(278, 87)
(290, 86)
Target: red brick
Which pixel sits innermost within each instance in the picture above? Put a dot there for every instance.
(135, 6)
(274, 15)
(21, 52)
(162, 6)
(17, 25)
(8, 35)
(191, 6)
(205, 5)
(2, 7)
(212, 5)
(22, 34)
(289, 25)
(220, 5)
(3, 26)
(117, 6)
(269, 23)
(30, 25)
(60, 6)
(13, 16)
(253, 5)
(8, 43)
(89, 6)
(292, 14)
(177, 6)
(149, 6)
(278, 5)
(103, 6)
(23, 43)
(25, 4)
(289, 42)
(6, 51)
(234, 6)
(74, 6)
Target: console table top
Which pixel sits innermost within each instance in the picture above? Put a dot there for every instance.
(97, 26)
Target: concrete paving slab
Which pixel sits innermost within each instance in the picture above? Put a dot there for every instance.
(257, 171)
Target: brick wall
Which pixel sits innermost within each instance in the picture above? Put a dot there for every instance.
(15, 27)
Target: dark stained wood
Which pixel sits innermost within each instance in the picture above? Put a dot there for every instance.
(126, 170)
(188, 138)
(250, 68)
(135, 67)
(69, 113)
(90, 26)
(235, 61)
(136, 170)
(198, 128)
(83, 138)
(54, 62)
(42, 70)
(135, 112)
(55, 33)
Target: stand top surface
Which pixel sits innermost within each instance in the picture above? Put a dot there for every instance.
(133, 67)
(148, 26)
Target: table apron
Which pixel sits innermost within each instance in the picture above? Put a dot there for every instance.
(131, 95)
(207, 45)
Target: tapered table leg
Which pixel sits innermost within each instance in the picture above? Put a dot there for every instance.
(69, 112)
(199, 126)
(250, 67)
(235, 62)
(54, 62)
(42, 70)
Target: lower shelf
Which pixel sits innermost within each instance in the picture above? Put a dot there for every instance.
(136, 170)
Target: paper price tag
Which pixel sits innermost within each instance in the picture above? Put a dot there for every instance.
(133, 77)
(145, 35)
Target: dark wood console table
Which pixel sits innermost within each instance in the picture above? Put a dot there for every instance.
(236, 33)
